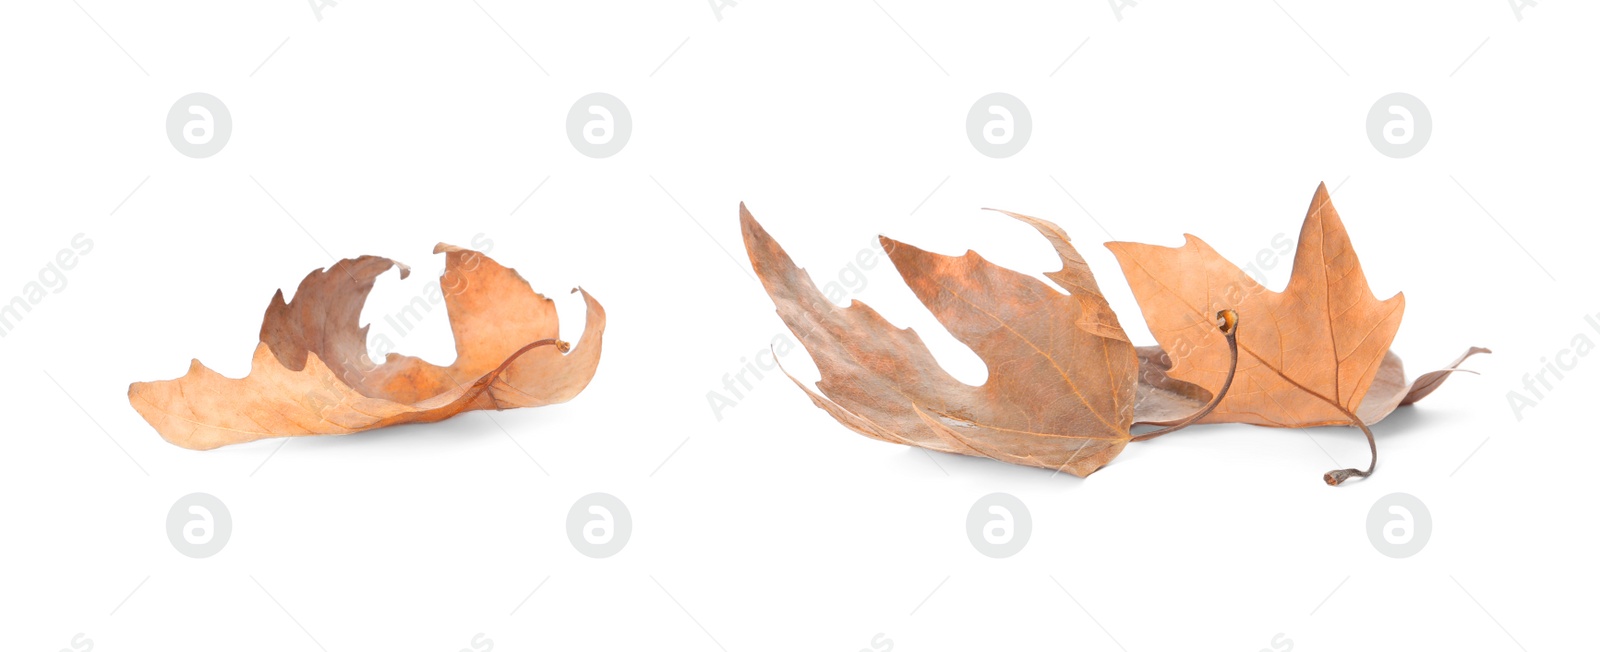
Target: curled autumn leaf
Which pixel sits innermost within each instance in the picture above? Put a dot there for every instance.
(311, 374)
(1063, 388)
(1316, 354)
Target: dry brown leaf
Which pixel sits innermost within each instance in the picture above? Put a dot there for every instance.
(311, 374)
(1315, 354)
(1061, 390)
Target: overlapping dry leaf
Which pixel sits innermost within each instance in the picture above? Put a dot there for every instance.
(1061, 391)
(311, 375)
(1315, 354)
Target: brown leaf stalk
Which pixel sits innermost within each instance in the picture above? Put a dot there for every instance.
(1228, 323)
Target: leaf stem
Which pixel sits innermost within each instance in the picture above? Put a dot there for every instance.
(561, 345)
(1228, 323)
(1335, 478)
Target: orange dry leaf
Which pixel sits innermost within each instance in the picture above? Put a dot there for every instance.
(1315, 354)
(311, 374)
(1061, 391)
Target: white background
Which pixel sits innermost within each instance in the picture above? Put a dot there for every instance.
(386, 127)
